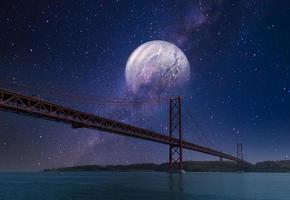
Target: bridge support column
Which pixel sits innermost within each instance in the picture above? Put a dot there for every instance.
(240, 155)
(240, 151)
(175, 130)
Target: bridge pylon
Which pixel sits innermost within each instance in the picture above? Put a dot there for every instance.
(240, 151)
(242, 166)
(175, 131)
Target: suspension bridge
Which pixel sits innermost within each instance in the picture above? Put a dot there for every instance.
(33, 106)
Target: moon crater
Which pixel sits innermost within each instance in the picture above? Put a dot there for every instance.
(156, 67)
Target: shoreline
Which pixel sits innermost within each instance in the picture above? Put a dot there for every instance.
(189, 166)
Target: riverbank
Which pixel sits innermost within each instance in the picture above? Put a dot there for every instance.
(190, 166)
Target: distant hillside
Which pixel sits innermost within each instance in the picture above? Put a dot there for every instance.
(271, 166)
(198, 166)
(194, 166)
(132, 167)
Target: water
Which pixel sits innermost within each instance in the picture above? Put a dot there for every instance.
(144, 185)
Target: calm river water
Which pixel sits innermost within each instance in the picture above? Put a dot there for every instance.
(144, 185)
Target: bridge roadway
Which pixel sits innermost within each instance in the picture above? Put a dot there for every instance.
(31, 106)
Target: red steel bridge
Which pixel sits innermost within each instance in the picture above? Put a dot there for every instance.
(34, 107)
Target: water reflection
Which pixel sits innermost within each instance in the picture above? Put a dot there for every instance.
(175, 182)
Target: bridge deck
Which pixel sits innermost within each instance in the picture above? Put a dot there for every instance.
(13, 102)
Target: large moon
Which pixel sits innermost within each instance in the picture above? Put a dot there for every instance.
(156, 67)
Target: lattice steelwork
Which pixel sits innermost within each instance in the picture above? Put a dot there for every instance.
(240, 151)
(31, 106)
(175, 130)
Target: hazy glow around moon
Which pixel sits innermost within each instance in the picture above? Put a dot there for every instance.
(156, 66)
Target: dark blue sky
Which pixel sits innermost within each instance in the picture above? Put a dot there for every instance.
(238, 92)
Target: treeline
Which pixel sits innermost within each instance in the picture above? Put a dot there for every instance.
(194, 166)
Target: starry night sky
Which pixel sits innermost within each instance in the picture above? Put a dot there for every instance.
(239, 52)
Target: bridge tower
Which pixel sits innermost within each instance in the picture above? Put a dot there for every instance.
(175, 131)
(240, 151)
(242, 166)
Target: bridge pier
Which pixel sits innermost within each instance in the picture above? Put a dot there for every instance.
(242, 166)
(175, 163)
(240, 151)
